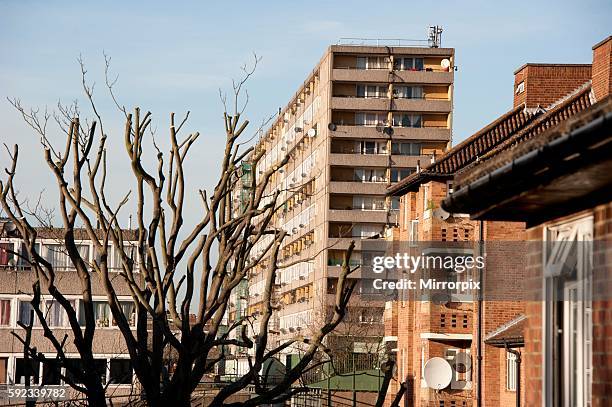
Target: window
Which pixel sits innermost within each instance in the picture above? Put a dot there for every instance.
(369, 203)
(397, 174)
(568, 324)
(3, 370)
(372, 91)
(26, 370)
(51, 372)
(414, 232)
(55, 314)
(6, 255)
(129, 311)
(26, 314)
(365, 231)
(372, 63)
(511, 371)
(520, 88)
(130, 251)
(371, 147)
(22, 261)
(5, 312)
(370, 175)
(100, 366)
(56, 255)
(408, 92)
(101, 314)
(407, 120)
(406, 148)
(370, 119)
(408, 64)
(120, 371)
(395, 203)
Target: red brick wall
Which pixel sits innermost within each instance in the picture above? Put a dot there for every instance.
(602, 312)
(415, 317)
(602, 74)
(547, 83)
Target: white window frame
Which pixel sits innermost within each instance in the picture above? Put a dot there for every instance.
(577, 314)
(511, 371)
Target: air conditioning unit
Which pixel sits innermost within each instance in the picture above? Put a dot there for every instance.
(299, 129)
(291, 329)
(302, 277)
(283, 330)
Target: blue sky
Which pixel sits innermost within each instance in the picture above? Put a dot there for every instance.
(173, 57)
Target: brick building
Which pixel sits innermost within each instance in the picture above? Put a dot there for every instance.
(545, 96)
(559, 181)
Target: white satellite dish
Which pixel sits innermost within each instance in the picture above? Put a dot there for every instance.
(9, 227)
(445, 63)
(311, 133)
(441, 214)
(438, 373)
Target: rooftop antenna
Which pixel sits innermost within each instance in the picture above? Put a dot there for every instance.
(435, 36)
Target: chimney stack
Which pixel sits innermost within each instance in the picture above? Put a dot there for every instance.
(543, 84)
(602, 74)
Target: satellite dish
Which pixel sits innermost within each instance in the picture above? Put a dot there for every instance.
(332, 127)
(441, 214)
(312, 132)
(462, 362)
(440, 298)
(445, 63)
(388, 131)
(9, 227)
(438, 373)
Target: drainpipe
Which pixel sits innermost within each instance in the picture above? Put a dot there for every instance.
(479, 326)
(518, 373)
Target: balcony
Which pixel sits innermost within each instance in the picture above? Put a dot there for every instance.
(360, 103)
(359, 160)
(423, 105)
(358, 216)
(408, 133)
(429, 77)
(385, 75)
(351, 187)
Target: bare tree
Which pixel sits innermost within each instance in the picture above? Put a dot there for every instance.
(214, 254)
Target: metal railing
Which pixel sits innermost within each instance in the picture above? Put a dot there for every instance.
(397, 42)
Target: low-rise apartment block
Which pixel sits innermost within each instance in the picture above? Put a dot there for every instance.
(16, 279)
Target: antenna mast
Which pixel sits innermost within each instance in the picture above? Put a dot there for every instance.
(435, 36)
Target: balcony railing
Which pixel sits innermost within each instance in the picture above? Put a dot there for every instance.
(424, 97)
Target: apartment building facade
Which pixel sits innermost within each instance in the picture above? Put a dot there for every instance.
(490, 332)
(363, 119)
(16, 279)
(566, 202)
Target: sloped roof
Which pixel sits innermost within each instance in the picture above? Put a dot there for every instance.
(509, 130)
(469, 150)
(577, 102)
(510, 333)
